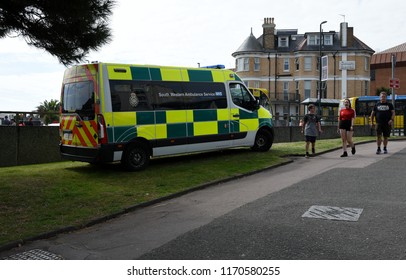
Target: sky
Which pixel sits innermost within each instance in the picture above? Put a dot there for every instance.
(189, 33)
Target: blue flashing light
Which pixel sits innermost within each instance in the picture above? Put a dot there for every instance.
(217, 66)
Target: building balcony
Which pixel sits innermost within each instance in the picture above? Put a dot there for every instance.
(284, 98)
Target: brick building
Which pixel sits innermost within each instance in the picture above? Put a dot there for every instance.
(287, 64)
(381, 69)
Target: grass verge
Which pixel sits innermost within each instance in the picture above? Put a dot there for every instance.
(43, 198)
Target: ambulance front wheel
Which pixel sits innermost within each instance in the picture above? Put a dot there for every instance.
(136, 157)
(263, 141)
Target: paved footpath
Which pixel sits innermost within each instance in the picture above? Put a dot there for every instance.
(324, 207)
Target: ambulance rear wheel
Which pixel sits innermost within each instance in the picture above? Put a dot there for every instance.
(263, 141)
(136, 157)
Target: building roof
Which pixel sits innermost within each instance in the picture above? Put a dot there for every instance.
(385, 57)
(399, 48)
(298, 42)
(251, 44)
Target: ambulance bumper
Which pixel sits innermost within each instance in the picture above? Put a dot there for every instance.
(92, 155)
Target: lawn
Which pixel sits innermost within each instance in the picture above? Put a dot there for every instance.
(42, 198)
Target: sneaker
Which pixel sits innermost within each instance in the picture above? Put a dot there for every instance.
(378, 151)
(385, 151)
(353, 150)
(344, 154)
(307, 155)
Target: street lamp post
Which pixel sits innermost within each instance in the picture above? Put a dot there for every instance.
(319, 92)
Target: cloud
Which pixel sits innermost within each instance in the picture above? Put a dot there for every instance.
(185, 33)
(27, 91)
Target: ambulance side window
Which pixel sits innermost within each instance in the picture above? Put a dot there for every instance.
(166, 95)
(203, 95)
(129, 96)
(242, 97)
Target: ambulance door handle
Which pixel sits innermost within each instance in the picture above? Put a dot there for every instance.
(236, 115)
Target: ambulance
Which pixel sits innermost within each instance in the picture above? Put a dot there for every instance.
(132, 113)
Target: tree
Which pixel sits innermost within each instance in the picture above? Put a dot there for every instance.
(379, 90)
(65, 29)
(48, 111)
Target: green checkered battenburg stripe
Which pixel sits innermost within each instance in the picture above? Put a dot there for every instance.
(154, 74)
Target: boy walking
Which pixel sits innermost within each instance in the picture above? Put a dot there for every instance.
(311, 126)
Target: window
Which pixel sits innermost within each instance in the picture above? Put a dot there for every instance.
(366, 87)
(308, 63)
(256, 64)
(312, 40)
(201, 95)
(286, 66)
(128, 96)
(246, 64)
(366, 63)
(297, 64)
(307, 89)
(373, 75)
(243, 64)
(283, 42)
(286, 91)
(285, 111)
(256, 84)
(239, 64)
(79, 98)
(364, 108)
(323, 89)
(328, 39)
(242, 97)
(297, 88)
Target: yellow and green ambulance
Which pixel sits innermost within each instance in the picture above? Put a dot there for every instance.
(131, 113)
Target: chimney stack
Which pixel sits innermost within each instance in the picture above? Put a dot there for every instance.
(268, 36)
(346, 35)
(343, 34)
(350, 36)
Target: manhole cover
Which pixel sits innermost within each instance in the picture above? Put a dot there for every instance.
(36, 254)
(333, 213)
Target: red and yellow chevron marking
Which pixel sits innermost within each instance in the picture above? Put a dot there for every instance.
(75, 135)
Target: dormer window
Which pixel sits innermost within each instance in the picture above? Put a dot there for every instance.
(283, 42)
(314, 40)
(328, 39)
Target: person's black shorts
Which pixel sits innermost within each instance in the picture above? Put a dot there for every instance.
(383, 129)
(345, 124)
(311, 139)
